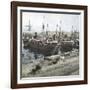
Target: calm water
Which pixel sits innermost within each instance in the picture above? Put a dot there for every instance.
(27, 56)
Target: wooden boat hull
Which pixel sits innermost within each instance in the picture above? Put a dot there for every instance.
(46, 49)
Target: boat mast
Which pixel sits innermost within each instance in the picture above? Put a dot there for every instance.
(56, 29)
(47, 30)
(60, 30)
(43, 25)
(29, 26)
(72, 33)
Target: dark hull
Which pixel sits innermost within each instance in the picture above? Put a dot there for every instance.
(46, 49)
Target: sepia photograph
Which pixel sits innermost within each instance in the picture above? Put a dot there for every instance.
(50, 43)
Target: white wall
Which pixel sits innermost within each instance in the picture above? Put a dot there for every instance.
(5, 44)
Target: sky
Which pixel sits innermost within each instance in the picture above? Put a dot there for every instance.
(65, 21)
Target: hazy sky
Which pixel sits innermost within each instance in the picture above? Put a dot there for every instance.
(36, 20)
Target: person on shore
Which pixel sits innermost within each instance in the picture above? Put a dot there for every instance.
(35, 36)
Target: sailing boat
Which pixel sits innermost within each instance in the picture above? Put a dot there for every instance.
(41, 46)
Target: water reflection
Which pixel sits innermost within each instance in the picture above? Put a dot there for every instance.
(28, 56)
